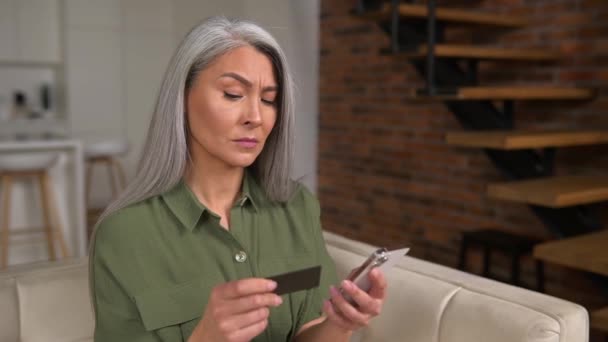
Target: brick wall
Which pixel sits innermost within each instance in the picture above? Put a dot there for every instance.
(385, 174)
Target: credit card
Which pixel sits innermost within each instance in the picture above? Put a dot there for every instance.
(303, 279)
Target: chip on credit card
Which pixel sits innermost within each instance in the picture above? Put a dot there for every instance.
(299, 280)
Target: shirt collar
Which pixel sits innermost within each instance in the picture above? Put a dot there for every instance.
(184, 205)
(248, 191)
(188, 209)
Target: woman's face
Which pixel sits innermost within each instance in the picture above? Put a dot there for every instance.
(231, 108)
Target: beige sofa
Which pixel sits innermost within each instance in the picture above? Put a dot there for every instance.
(426, 303)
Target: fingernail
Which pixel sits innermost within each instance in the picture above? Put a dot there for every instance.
(333, 291)
(346, 284)
(278, 300)
(272, 285)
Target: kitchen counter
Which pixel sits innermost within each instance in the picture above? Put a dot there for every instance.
(38, 145)
(68, 180)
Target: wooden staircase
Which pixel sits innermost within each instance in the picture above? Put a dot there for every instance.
(521, 93)
(486, 53)
(517, 140)
(448, 15)
(416, 32)
(492, 131)
(599, 320)
(553, 192)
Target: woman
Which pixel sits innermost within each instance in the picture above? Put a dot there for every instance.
(183, 254)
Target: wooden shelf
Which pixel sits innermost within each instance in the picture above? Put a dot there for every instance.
(513, 140)
(599, 320)
(450, 15)
(511, 93)
(554, 192)
(586, 252)
(483, 53)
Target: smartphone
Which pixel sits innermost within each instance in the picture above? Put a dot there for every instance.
(380, 258)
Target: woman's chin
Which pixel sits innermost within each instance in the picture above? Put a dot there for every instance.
(241, 161)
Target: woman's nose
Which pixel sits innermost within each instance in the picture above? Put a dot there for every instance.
(254, 114)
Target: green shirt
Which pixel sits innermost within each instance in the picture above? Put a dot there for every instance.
(154, 263)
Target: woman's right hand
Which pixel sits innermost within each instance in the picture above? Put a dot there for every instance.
(237, 311)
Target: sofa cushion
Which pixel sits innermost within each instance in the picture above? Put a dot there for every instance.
(9, 324)
(55, 305)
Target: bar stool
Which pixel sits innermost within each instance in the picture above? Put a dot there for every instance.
(20, 166)
(106, 152)
(515, 246)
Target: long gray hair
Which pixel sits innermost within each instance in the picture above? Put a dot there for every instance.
(165, 154)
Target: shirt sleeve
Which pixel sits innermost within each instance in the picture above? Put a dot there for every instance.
(313, 304)
(116, 315)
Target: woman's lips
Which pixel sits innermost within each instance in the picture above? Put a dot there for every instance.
(247, 142)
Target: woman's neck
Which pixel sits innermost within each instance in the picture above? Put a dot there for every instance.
(215, 185)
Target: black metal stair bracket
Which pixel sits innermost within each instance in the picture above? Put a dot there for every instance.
(431, 40)
(447, 74)
(368, 5)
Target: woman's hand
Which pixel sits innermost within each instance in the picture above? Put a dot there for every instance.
(368, 305)
(237, 311)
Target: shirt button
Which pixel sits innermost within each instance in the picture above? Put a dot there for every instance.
(240, 256)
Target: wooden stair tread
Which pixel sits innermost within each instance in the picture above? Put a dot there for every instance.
(513, 140)
(451, 15)
(586, 252)
(483, 52)
(554, 192)
(599, 319)
(512, 93)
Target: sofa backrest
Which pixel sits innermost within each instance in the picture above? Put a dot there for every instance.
(428, 302)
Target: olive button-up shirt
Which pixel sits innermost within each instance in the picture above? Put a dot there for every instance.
(154, 263)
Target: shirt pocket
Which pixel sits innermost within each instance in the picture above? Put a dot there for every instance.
(172, 305)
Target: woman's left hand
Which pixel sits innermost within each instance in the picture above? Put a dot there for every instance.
(352, 317)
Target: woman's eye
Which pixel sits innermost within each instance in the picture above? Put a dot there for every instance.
(269, 102)
(232, 96)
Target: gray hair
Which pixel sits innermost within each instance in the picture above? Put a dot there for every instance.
(165, 154)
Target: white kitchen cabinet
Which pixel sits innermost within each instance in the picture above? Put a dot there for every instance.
(38, 30)
(30, 31)
(8, 30)
(148, 16)
(93, 15)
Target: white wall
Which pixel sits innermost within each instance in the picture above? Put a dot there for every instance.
(304, 56)
(188, 13)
